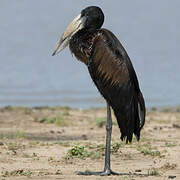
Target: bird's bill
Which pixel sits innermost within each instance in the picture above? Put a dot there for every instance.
(74, 26)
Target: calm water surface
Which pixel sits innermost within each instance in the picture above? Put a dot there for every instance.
(30, 76)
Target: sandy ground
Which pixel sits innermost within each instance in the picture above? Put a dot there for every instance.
(53, 143)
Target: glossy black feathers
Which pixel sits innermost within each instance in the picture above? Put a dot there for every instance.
(112, 72)
(122, 91)
(95, 17)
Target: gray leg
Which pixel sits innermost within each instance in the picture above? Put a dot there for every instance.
(107, 168)
(107, 164)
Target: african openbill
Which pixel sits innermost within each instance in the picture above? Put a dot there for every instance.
(112, 72)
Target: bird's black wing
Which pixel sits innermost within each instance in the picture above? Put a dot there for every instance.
(115, 78)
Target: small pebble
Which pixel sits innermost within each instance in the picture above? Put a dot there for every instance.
(171, 177)
(176, 126)
(138, 170)
(84, 137)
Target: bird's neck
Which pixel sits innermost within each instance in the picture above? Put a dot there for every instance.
(81, 44)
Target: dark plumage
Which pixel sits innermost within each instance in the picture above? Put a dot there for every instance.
(113, 74)
(111, 70)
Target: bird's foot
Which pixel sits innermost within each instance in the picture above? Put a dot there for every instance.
(106, 172)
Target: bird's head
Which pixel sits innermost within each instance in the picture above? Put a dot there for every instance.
(90, 18)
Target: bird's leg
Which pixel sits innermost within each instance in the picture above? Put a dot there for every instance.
(107, 166)
(107, 169)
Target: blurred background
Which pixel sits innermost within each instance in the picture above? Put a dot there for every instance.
(29, 30)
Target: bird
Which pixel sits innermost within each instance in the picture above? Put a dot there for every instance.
(112, 73)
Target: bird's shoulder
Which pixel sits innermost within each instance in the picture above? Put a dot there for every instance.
(112, 59)
(106, 38)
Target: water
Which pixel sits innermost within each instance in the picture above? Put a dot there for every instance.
(30, 76)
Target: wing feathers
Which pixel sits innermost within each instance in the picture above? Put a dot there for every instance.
(115, 78)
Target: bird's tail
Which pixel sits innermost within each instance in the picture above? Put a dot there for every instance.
(132, 119)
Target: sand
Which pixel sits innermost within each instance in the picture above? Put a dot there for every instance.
(54, 143)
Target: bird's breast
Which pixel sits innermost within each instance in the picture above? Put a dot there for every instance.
(81, 46)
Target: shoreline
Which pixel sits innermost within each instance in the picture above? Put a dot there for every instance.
(160, 109)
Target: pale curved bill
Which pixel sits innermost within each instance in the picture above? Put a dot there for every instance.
(73, 27)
